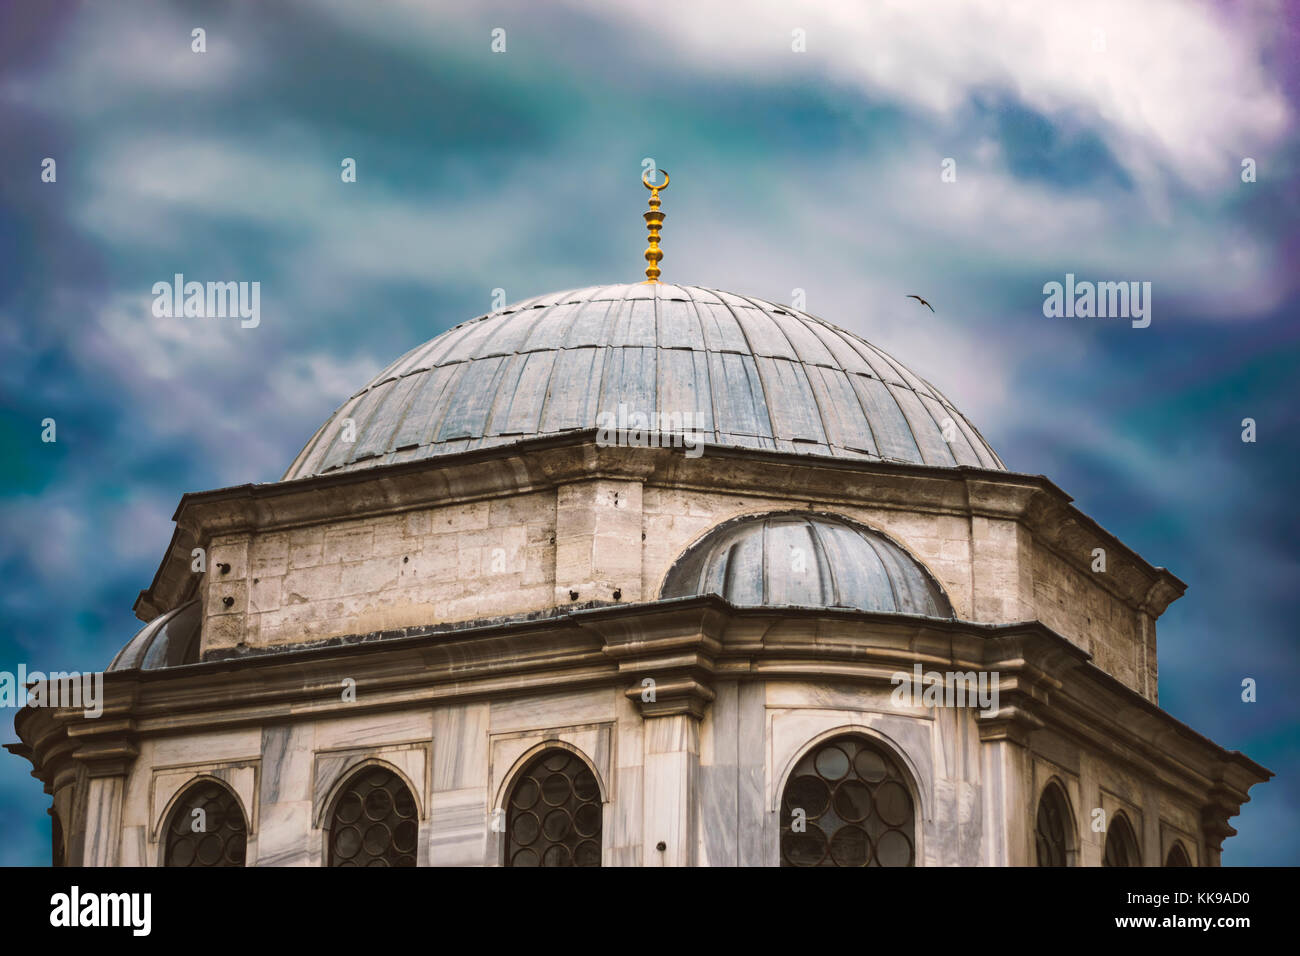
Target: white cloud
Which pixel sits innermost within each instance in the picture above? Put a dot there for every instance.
(1174, 87)
(222, 391)
(106, 53)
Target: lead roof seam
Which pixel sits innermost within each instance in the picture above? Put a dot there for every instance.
(398, 385)
(898, 369)
(361, 429)
(762, 385)
(803, 368)
(435, 424)
(494, 391)
(708, 372)
(604, 351)
(921, 398)
(522, 359)
(884, 566)
(320, 445)
(305, 456)
(728, 572)
(453, 341)
(347, 406)
(957, 417)
(815, 527)
(970, 424)
(411, 395)
(854, 342)
(866, 416)
(875, 440)
(489, 419)
(533, 315)
(911, 433)
(930, 415)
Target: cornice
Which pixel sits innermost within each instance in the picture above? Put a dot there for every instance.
(685, 646)
(547, 463)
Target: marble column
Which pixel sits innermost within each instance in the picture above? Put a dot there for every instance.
(1005, 775)
(667, 659)
(672, 766)
(106, 762)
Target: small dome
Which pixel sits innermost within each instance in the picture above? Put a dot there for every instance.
(805, 560)
(166, 641)
(750, 373)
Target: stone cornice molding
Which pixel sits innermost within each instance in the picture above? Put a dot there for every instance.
(667, 655)
(547, 463)
(685, 646)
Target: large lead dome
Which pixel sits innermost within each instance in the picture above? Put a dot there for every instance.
(751, 374)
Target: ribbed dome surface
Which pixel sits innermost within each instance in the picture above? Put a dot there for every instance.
(166, 641)
(749, 372)
(805, 560)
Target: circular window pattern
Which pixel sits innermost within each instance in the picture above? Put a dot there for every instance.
(374, 822)
(554, 813)
(1050, 831)
(1121, 844)
(846, 804)
(206, 828)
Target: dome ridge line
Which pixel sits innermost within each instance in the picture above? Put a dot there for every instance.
(762, 385)
(803, 370)
(761, 374)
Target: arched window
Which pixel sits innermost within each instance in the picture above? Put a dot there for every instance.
(1053, 827)
(1121, 844)
(205, 828)
(374, 821)
(554, 813)
(1177, 856)
(847, 804)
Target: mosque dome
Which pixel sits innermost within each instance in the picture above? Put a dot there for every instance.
(750, 373)
(166, 641)
(798, 559)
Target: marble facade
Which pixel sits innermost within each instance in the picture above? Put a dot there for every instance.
(490, 605)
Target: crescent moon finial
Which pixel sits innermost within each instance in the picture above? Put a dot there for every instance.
(651, 186)
(654, 221)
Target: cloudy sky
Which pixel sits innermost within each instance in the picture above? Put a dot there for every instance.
(1103, 139)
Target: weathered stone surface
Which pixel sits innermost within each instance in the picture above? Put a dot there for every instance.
(482, 611)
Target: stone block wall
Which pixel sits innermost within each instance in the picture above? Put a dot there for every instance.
(455, 563)
(608, 540)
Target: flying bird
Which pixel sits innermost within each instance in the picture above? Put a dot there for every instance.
(922, 301)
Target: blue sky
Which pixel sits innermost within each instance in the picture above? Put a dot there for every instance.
(1103, 139)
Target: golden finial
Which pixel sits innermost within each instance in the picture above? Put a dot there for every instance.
(654, 220)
